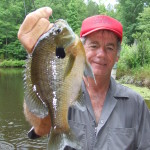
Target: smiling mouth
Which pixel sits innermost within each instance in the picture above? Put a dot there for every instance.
(100, 64)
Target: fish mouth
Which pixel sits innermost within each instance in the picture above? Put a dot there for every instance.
(60, 52)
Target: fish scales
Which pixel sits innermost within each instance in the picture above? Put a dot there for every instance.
(47, 77)
(53, 80)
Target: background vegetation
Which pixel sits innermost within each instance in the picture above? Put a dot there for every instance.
(133, 14)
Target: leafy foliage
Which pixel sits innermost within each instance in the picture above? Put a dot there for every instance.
(129, 11)
(138, 54)
(73, 14)
(144, 22)
(134, 15)
(12, 63)
(92, 8)
(11, 14)
(128, 57)
(142, 37)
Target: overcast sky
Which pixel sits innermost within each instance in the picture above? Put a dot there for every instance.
(106, 2)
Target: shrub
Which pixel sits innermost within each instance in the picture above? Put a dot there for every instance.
(135, 59)
(12, 63)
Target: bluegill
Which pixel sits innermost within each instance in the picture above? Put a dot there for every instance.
(53, 77)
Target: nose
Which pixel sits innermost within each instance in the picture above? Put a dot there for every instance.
(101, 52)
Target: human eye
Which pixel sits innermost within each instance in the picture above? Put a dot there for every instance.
(93, 46)
(109, 48)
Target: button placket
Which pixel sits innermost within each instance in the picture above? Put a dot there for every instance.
(102, 121)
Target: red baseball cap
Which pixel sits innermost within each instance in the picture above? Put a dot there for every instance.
(101, 22)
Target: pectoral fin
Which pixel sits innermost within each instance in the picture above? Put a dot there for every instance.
(88, 71)
(69, 65)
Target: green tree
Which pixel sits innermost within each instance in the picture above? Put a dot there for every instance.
(107, 10)
(129, 10)
(143, 24)
(76, 12)
(11, 14)
(92, 8)
(102, 9)
(59, 8)
(73, 19)
(142, 36)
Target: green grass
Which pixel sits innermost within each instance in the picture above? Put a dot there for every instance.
(143, 91)
(139, 76)
(12, 63)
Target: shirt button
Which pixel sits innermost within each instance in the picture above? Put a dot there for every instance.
(102, 121)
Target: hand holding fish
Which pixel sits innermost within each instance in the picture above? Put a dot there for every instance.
(35, 24)
(49, 81)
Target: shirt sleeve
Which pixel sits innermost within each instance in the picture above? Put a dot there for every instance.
(143, 136)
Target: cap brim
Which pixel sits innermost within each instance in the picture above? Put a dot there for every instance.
(103, 28)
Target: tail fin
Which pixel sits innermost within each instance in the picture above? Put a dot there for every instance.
(63, 141)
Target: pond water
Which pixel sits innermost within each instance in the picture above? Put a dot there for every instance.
(13, 126)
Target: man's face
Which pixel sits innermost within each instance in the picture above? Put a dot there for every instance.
(101, 51)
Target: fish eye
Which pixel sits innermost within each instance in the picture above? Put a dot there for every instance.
(58, 31)
(60, 52)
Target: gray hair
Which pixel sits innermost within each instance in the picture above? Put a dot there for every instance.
(83, 39)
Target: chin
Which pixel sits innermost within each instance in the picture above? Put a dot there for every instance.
(101, 72)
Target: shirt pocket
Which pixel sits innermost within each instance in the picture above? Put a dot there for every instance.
(79, 130)
(121, 139)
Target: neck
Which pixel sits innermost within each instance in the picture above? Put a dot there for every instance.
(97, 93)
(101, 85)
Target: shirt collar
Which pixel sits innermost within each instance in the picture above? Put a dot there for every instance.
(117, 90)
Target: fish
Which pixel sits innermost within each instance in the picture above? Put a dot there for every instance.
(52, 81)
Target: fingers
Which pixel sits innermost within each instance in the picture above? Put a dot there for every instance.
(32, 134)
(44, 126)
(34, 25)
(32, 18)
(29, 39)
(41, 126)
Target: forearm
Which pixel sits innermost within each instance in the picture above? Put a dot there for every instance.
(41, 125)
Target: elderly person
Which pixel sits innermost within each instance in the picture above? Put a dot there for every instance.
(115, 117)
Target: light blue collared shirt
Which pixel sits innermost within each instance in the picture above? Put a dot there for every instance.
(124, 122)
